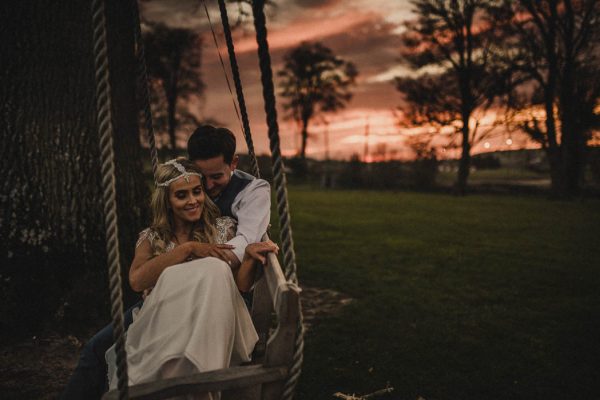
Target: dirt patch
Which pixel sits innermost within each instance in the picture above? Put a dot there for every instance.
(39, 367)
(318, 303)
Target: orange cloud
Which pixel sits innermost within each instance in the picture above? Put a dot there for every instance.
(306, 30)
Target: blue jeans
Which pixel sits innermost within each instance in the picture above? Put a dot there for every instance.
(89, 380)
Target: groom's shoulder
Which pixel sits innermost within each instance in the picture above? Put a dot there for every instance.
(251, 180)
(252, 186)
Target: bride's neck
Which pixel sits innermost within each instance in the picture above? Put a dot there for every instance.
(183, 228)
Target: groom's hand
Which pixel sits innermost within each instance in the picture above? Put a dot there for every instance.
(258, 251)
(201, 250)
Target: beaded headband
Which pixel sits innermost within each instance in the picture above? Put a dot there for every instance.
(185, 174)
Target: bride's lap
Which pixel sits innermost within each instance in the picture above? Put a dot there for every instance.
(200, 268)
(193, 275)
(194, 312)
(193, 320)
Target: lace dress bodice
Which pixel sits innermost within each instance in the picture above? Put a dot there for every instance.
(226, 227)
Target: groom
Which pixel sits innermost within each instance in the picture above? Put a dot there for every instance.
(236, 193)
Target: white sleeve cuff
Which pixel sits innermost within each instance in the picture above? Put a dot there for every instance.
(240, 244)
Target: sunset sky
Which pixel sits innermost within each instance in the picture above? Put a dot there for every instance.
(362, 31)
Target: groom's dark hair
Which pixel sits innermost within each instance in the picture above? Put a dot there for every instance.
(209, 142)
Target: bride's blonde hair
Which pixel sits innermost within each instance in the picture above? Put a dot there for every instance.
(162, 215)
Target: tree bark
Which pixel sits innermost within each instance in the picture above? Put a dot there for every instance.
(132, 190)
(51, 207)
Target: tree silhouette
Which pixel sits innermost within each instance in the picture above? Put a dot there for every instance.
(451, 40)
(173, 57)
(314, 80)
(550, 61)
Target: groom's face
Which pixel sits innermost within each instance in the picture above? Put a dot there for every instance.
(217, 174)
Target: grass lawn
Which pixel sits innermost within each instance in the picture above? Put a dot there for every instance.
(454, 298)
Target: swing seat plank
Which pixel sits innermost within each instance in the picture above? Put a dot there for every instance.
(222, 379)
(265, 377)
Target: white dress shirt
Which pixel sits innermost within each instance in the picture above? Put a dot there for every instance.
(252, 209)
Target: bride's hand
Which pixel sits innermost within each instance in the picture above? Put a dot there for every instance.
(201, 250)
(258, 251)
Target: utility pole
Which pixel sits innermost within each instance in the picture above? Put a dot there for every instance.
(366, 149)
(326, 137)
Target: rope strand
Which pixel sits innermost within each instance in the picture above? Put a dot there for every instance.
(238, 87)
(103, 105)
(214, 36)
(143, 89)
(289, 257)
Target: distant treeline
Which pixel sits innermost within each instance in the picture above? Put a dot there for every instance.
(424, 174)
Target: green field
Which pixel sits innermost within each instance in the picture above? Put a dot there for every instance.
(498, 176)
(454, 298)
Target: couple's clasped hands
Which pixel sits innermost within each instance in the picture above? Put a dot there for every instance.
(254, 251)
(202, 250)
(258, 251)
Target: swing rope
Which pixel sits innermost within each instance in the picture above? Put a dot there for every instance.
(278, 169)
(143, 90)
(238, 87)
(289, 256)
(104, 115)
(222, 63)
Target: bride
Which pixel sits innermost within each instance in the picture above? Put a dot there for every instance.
(193, 318)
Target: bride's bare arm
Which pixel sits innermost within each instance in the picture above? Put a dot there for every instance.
(146, 269)
(255, 252)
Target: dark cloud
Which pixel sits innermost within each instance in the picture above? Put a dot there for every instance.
(372, 46)
(316, 3)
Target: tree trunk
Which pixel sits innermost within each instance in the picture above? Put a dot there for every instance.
(573, 148)
(464, 164)
(556, 150)
(304, 138)
(132, 190)
(573, 143)
(556, 179)
(553, 149)
(52, 211)
(466, 108)
(465, 160)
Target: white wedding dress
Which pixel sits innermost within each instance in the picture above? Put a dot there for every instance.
(194, 320)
